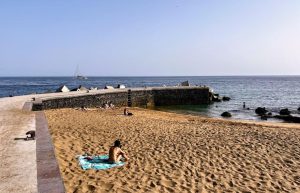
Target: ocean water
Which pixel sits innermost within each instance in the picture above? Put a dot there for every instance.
(272, 92)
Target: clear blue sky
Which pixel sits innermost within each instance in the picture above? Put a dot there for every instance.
(149, 37)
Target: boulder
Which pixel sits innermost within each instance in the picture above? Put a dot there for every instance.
(288, 118)
(63, 88)
(226, 114)
(284, 112)
(261, 111)
(280, 116)
(93, 88)
(185, 83)
(299, 109)
(108, 87)
(80, 88)
(121, 86)
(293, 119)
(264, 117)
(216, 98)
(270, 114)
(225, 98)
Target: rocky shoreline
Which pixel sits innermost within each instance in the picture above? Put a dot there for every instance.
(283, 114)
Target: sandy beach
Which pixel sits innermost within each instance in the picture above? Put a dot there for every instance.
(176, 153)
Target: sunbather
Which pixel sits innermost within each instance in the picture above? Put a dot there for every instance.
(105, 105)
(127, 113)
(111, 105)
(116, 154)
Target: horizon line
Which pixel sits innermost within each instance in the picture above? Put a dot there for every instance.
(32, 76)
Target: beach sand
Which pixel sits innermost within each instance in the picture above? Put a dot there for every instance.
(176, 153)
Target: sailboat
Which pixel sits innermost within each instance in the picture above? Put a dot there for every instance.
(78, 76)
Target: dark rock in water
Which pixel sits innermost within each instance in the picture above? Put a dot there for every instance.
(280, 116)
(288, 118)
(285, 112)
(294, 119)
(299, 109)
(261, 111)
(10, 95)
(248, 108)
(226, 114)
(216, 98)
(264, 117)
(185, 83)
(225, 98)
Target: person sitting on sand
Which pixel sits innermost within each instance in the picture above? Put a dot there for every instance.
(105, 105)
(116, 153)
(127, 113)
(111, 105)
(83, 108)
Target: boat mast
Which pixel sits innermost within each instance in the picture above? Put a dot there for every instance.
(76, 71)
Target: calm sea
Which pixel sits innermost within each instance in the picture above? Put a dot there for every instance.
(272, 92)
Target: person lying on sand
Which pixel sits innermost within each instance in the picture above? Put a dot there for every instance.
(127, 113)
(82, 108)
(116, 153)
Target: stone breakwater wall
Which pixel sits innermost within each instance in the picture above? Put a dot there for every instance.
(136, 97)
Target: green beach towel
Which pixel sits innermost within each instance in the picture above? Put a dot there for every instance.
(97, 162)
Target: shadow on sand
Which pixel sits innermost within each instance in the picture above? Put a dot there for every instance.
(23, 138)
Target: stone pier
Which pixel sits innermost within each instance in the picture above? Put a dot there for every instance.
(137, 97)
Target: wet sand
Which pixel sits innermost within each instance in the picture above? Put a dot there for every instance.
(176, 153)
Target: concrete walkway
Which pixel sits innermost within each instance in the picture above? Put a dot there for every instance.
(18, 169)
(27, 166)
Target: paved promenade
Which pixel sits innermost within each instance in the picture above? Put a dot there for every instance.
(18, 171)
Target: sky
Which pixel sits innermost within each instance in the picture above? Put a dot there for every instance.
(149, 37)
